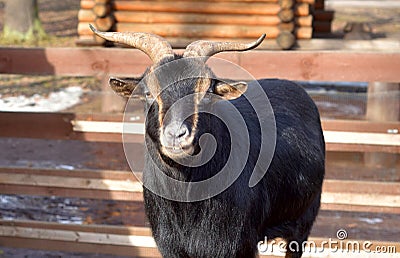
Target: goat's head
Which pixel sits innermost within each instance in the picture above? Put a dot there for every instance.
(176, 87)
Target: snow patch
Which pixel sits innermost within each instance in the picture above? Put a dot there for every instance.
(371, 220)
(56, 101)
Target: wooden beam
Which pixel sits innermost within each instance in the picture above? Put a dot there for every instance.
(360, 126)
(361, 148)
(95, 239)
(71, 192)
(94, 184)
(362, 136)
(361, 199)
(125, 186)
(80, 237)
(293, 65)
(359, 208)
(364, 187)
(36, 125)
(75, 173)
(103, 229)
(347, 66)
(70, 182)
(330, 185)
(72, 61)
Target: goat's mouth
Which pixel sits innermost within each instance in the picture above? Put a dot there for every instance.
(178, 151)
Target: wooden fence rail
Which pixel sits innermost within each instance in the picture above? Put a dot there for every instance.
(296, 65)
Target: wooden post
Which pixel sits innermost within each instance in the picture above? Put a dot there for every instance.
(286, 39)
(383, 104)
(98, 13)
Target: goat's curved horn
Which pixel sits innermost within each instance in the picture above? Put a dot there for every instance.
(208, 48)
(152, 45)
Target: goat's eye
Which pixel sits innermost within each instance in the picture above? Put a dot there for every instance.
(148, 96)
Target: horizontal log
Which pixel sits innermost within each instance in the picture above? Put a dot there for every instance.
(181, 43)
(304, 21)
(286, 26)
(191, 7)
(286, 4)
(186, 18)
(303, 32)
(286, 15)
(101, 10)
(202, 31)
(301, 9)
(102, 1)
(180, 18)
(104, 24)
(67, 237)
(286, 40)
(195, 30)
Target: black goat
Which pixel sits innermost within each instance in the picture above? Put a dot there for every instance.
(284, 203)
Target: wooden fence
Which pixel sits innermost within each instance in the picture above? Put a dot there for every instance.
(352, 196)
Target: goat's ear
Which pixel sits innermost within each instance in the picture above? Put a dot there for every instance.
(126, 86)
(230, 91)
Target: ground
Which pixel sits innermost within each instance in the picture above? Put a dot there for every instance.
(59, 19)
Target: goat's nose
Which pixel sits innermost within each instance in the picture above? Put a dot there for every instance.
(176, 133)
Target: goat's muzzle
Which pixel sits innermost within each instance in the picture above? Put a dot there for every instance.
(175, 139)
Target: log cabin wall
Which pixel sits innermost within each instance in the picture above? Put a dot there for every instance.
(183, 21)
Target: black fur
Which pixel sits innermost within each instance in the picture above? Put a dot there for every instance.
(283, 204)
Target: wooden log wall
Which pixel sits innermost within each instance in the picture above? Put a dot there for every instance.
(100, 14)
(189, 20)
